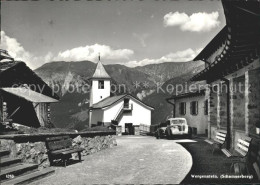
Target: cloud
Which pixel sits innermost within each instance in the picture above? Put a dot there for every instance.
(88, 52)
(197, 22)
(17, 51)
(179, 56)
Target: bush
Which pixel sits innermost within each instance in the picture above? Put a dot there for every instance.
(40, 130)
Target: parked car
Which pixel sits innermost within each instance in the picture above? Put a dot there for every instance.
(173, 127)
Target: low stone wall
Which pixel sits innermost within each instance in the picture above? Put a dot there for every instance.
(36, 152)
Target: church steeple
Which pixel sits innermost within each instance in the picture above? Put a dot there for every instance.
(100, 71)
(100, 84)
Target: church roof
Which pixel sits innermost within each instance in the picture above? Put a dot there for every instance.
(114, 99)
(100, 71)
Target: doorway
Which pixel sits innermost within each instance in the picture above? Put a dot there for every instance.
(129, 129)
(126, 103)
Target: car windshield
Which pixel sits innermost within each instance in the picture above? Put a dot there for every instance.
(178, 121)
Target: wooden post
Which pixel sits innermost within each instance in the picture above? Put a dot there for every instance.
(1, 108)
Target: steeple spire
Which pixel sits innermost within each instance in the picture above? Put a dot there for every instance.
(100, 71)
(99, 56)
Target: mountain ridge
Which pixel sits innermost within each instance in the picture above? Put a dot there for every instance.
(72, 109)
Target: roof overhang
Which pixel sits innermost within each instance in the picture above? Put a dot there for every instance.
(188, 94)
(118, 100)
(242, 41)
(30, 95)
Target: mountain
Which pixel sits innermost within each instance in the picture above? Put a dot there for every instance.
(163, 109)
(160, 73)
(70, 80)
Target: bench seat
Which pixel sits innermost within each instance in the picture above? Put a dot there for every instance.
(219, 140)
(60, 148)
(67, 151)
(240, 153)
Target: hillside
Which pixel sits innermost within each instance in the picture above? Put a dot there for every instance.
(71, 81)
(162, 72)
(163, 110)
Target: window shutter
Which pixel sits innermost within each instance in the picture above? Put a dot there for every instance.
(191, 111)
(184, 107)
(180, 109)
(197, 108)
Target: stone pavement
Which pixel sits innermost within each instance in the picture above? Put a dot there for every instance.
(136, 160)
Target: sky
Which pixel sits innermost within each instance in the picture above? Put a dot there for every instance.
(132, 33)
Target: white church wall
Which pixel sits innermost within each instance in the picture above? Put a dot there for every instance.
(100, 94)
(97, 115)
(111, 112)
(139, 115)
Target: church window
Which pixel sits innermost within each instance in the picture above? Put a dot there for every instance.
(101, 84)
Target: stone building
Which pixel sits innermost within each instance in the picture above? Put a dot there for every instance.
(24, 97)
(232, 69)
(193, 106)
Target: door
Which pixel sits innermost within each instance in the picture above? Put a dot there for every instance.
(129, 129)
(126, 103)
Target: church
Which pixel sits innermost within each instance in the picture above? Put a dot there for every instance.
(124, 110)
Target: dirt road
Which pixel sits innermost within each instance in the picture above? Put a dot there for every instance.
(136, 159)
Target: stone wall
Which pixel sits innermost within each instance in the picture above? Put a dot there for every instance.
(36, 152)
(222, 106)
(238, 100)
(253, 101)
(213, 103)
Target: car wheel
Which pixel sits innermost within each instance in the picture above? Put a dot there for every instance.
(190, 133)
(168, 134)
(157, 134)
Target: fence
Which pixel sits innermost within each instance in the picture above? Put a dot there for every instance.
(147, 129)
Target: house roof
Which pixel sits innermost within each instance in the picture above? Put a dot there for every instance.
(7, 64)
(242, 43)
(19, 74)
(107, 102)
(189, 94)
(210, 48)
(29, 95)
(100, 72)
(198, 90)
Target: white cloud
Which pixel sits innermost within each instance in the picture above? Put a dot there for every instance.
(197, 22)
(179, 56)
(17, 51)
(90, 52)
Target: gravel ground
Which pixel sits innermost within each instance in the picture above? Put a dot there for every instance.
(210, 167)
(136, 160)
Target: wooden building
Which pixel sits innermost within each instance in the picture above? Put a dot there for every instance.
(24, 97)
(232, 69)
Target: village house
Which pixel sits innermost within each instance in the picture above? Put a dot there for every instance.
(125, 111)
(232, 69)
(24, 97)
(192, 106)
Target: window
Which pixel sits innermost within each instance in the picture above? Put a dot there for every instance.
(194, 108)
(182, 108)
(101, 84)
(206, 107)
(126, 103)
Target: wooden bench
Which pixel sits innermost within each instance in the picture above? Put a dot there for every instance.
(61, 148)
(257, 170)
(219, 140)
(240, 154)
